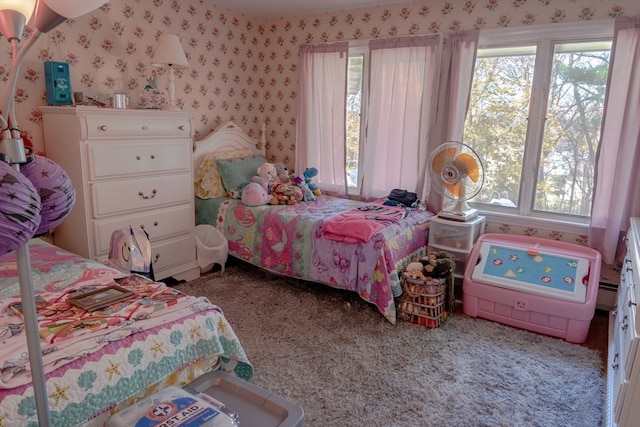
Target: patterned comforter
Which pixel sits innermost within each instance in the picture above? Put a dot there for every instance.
(291, 241)
(98, 362)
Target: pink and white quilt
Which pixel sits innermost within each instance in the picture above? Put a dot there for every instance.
(98, 362)
(343, 243)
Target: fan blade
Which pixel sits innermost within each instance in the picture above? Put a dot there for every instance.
(456, 190)
(466, 163)
(441, 158)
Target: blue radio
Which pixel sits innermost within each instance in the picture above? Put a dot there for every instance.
(58, 83)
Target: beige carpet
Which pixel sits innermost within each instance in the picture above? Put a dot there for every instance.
(338, 358)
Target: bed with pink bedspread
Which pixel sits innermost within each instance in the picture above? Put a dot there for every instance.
(346, 244)
(98, 362)
(343, 243)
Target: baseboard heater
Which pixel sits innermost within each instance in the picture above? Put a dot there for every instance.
(607, 293)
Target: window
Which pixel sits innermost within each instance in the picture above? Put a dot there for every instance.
(365, 111)
(355, 113)
(534, 117)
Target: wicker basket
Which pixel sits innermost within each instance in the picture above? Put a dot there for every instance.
(423, 302)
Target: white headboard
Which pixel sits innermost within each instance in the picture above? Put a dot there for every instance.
(228, 138)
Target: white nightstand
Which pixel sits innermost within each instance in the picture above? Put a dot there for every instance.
(455, 237)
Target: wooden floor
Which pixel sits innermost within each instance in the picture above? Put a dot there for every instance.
(598, 334)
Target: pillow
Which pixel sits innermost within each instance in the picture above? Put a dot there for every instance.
(208, 183)
(236, 173)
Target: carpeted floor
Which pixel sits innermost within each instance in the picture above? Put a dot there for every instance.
(338, 358)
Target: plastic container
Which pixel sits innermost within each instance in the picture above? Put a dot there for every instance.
(255, 406)
(211, 247)
(171, 407)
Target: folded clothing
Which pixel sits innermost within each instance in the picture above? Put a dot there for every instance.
(403, 197)
(360, 224)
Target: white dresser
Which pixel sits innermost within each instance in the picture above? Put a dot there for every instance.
(129, 167)
(623, 374)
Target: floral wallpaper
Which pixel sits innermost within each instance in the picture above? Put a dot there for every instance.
(244, 68)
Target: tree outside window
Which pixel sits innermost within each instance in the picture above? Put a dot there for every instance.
(534, 117)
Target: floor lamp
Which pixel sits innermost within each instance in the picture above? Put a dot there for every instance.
(22, 198)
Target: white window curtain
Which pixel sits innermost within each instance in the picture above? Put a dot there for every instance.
(320, 133)
(456, 78)
(616, 196)
(403, 90)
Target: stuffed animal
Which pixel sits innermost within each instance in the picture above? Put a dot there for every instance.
(308, 175)
(285, 194)
(283, 173)
(438, 264)
(307, 194)
(256, 193)
(435, 265)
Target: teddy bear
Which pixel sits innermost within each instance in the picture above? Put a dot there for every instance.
(438, 264)
(256, 193)
(285, 194)
(283, 173)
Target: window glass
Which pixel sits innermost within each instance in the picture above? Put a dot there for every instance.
(354, 113)
(496, 125)
(572, 128)
(534, 117)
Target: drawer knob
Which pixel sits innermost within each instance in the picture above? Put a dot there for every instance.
(103, 127)
(153, 156)
(181, 127)
(615, 363)
(137, 157)
(155, 259)
(145, 127)
(624, 324)
(153, 194)
(632, 304)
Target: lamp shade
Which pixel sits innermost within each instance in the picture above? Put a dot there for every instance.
(55, 188)
(24, 7)
(19, 209)
(73, 8)
(51, 13)
(13, 15)
(169, 52)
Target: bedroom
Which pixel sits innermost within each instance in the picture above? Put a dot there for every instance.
(245, 69)
(239, 69)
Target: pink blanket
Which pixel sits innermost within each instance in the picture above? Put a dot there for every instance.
(360, 224)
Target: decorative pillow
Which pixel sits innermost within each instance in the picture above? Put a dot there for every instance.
(208, 183)
(236, 173)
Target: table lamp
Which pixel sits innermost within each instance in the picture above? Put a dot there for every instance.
(169, 54)
(39, 196)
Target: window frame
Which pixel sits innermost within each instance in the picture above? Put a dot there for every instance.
(361, 48)
(544, 37)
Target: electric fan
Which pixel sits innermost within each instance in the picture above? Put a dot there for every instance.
(456, 172)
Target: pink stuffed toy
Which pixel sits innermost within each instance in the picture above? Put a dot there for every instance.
(256, 193)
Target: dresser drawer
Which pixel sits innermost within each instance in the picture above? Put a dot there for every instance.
(160, 224)
(130, 195)
(132, 126)
(107, 160)
(174, 252)
(456, 236)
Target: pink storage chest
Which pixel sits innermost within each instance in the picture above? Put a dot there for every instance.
(541, 285)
